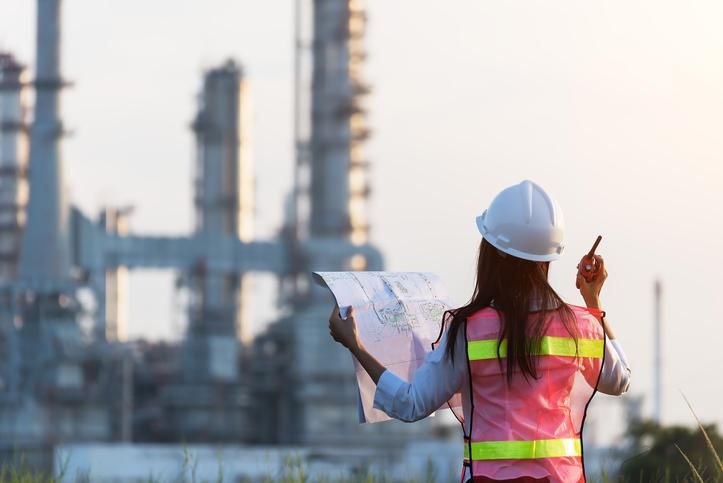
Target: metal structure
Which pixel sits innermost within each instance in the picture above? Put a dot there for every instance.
(60, 387)
(224, 201)
(658, 353)
(13, 197)
(208, 401)
(13, 161)
(296, 381)
(303, 389)
(112, 306)
(338, 188)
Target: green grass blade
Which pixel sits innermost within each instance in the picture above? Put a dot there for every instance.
(692, 467)
(705, 434)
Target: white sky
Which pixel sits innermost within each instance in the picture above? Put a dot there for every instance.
(615, 107)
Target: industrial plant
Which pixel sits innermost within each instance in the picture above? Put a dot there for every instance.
(64, 382)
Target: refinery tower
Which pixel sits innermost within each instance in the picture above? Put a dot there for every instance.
(304, 390)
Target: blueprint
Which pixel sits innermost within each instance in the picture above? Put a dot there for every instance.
(399, 316)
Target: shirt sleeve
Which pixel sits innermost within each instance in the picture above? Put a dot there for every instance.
(615, 374)
(433, 383)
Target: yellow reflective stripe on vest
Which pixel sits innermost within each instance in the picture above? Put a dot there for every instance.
(550, 346)
(523, 450)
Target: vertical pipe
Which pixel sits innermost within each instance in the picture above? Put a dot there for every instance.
(297, 205)
(658, 354)
(294, 221)
(126, 422)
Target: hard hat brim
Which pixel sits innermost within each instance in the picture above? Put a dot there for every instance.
(480, 221)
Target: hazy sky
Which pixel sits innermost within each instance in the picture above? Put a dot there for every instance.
(615, 107)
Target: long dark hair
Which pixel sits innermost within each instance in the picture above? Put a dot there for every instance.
(509, 285)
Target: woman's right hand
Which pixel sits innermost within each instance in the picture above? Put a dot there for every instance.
(590, 291)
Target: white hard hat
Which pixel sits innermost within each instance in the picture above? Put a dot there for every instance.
(525, 222)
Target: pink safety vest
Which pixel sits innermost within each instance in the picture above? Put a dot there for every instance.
(531, 427)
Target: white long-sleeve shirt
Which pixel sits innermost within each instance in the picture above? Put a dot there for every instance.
(437, 379)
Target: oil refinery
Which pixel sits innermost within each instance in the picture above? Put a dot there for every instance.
(65, 384)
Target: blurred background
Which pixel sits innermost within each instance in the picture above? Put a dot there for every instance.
(171, 171)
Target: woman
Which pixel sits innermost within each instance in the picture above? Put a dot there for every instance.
(526, 363)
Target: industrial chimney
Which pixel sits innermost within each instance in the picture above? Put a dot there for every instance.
(45, 253)
(658, 354)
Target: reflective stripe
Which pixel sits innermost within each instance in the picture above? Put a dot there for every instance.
(485, 349)
(550, 346)
(518, 450)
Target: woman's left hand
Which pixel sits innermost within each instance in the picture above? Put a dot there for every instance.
(344, 331)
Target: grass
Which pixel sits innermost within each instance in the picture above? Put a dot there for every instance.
(294, 470)
(690, 464)
(20, 472)
(708, 441)
(668, 454)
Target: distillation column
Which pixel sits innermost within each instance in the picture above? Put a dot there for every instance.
(13, 198)
(224, 202)
(315, 403)
(209, 401)
(339, 187)
(13, 162)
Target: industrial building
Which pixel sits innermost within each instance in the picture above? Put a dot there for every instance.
(64, 384)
